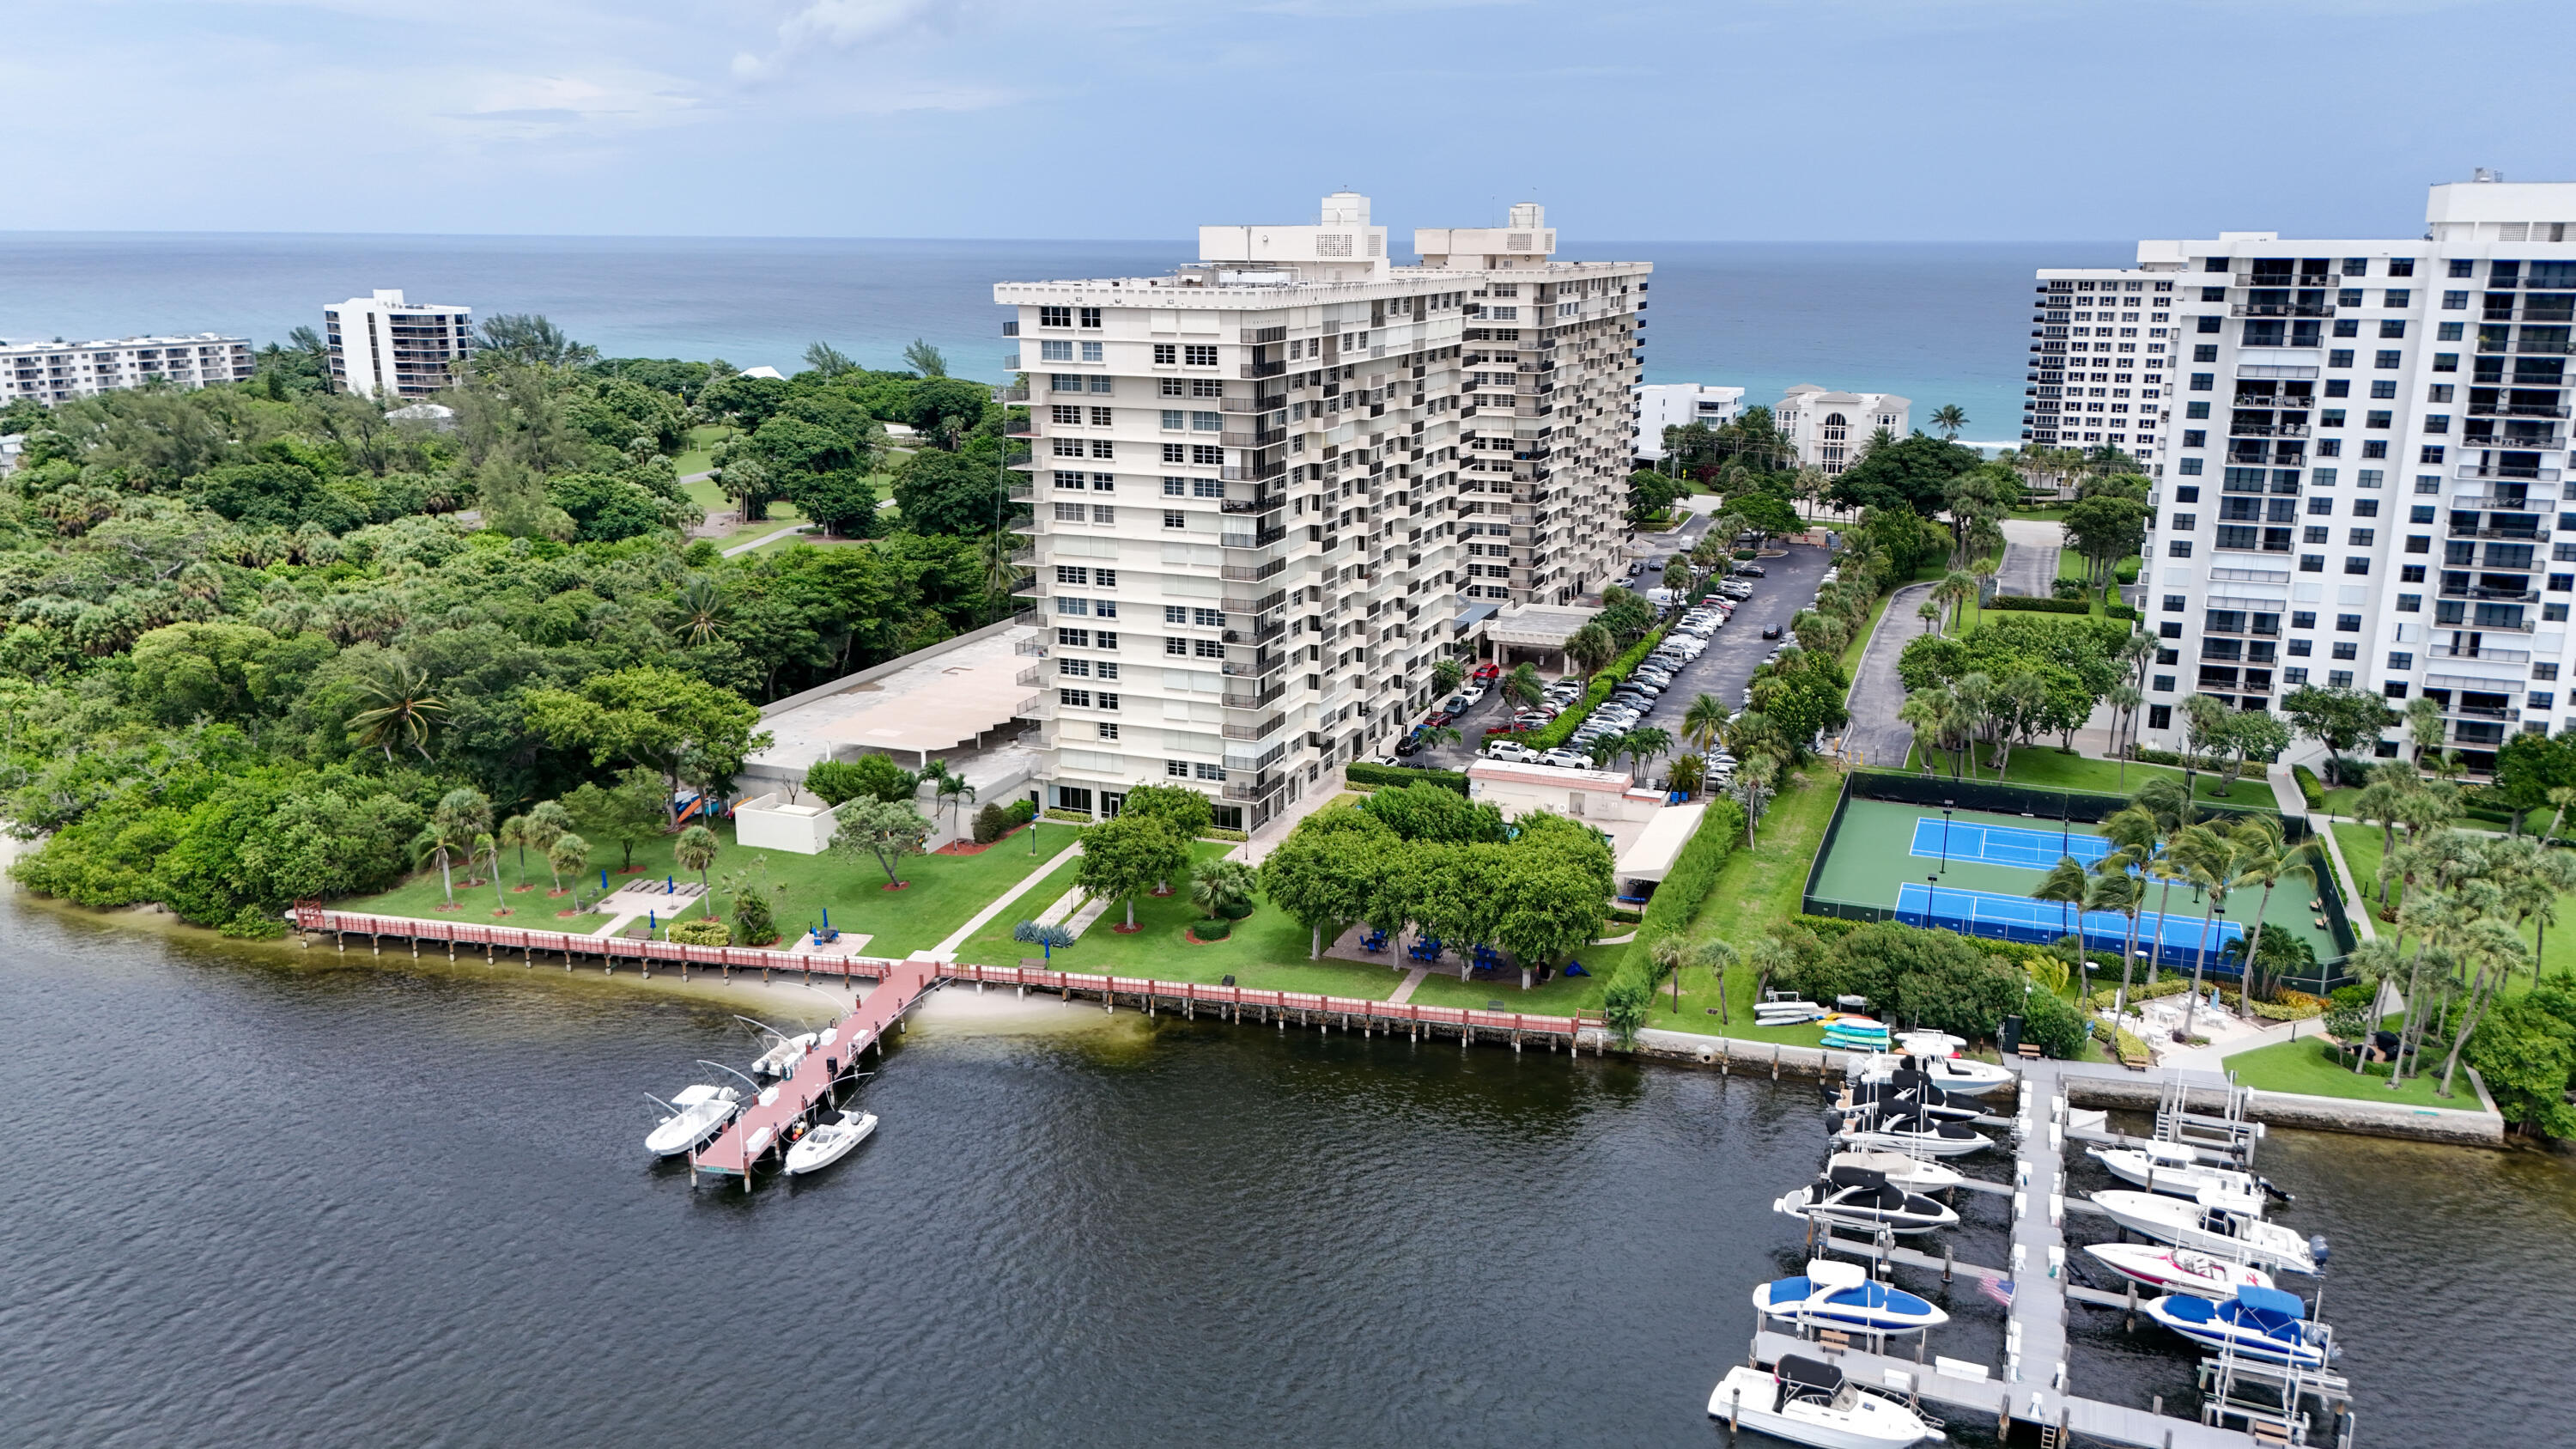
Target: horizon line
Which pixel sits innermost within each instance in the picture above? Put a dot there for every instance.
(1102, 240)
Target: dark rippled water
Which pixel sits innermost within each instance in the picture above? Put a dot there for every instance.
(257, 1198)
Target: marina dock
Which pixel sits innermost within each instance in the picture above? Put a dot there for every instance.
(762, 1127)
(2035, 1385)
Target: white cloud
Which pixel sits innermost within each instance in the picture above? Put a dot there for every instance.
(845, 24)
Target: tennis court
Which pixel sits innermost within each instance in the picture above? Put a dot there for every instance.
(1956, 839)
(2019, 918)
(1879, 856)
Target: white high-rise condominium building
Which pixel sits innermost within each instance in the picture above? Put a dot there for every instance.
(52, 372)
(2101, 345)
(2367, 483)
(389, 348)
(1831, 428)
(1662, 405)
(1271, 489)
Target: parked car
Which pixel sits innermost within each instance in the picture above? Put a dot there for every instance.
(1487, 671)
(1750, 571)
(1408, 745)
(1455, 704)
(1772, 633)
(1440, 717)
(1565, 760)
(1510, 753)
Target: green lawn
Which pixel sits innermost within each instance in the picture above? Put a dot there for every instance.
(1266, 950)
(2360, 847)
(701, 450)
(2308, 1066)
(2042, 766)
(1756, 890)
(944, 890)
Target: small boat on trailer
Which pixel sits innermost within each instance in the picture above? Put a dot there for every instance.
(1808, 1401)
(1843, 1295)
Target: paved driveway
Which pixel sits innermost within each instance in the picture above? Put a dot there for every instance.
(1877, 694)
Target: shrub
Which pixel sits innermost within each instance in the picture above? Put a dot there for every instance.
(701, 931)
(2051, 1023)
(1075, 817)
(2139, 991)
(1023, 810)
(1212, 928)
(251, 923)
(2040, 606)
(1555, 732)
(2288, 1010)
(1362, 773)
(1219, 832)
(2310, 790)
(991, 824)
(1693, 876)
(2129, 1043)
(2119, 611)
(2127, 572)
(752, 922)
(2067, 589)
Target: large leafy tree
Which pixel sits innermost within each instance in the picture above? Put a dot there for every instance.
(1324, 872)
(887, 830)
(631, 812)
(1911, 473)
(1130, 854)
(655, 717)
(945, 492)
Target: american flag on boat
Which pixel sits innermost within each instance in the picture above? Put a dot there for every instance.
(1998, 1289)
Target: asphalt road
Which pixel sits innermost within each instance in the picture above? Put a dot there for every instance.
(1723, 669)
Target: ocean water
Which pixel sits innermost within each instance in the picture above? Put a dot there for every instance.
(268, 1196)
(1936, 322)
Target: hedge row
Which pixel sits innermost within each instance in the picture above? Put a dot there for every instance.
(2121, 612)
(2311, 789)
(2030, 605)
(1555, 731)
(1625, 999)
(1362, 773)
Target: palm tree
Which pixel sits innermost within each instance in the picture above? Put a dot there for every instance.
(2267, 862)
(1949, 418)
(1956, 588)
(1668, 953)
(487, 847)
(1689, 772)
(1930, 611)
(1445, 676)
(2124, 700)
(1716, 955)
(1927, 713)
(1522, 687)
(1753, 780)
(513, 835)
(1438, 735)
(2117, 890)
(1644, 743)
(567, 855)
(1702, 720)
(400, 707)
(701, 611)
(547, 822)
(695, 850)
(2064, 884)
(1221, 885)
(947, 786)
(2560, 796)
(1590, 648)
(441, 841)
(2212, 862)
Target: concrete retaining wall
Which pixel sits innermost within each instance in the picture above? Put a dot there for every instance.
(2324, 1114)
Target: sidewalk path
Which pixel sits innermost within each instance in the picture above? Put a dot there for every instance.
(789, 532)
(947, 949)
(1412, 979)
(1877, 694)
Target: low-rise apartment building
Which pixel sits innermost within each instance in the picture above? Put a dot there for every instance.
(385, 347)
(1273, 487)
(1662, 405)
(1831, 428)
(52, 372)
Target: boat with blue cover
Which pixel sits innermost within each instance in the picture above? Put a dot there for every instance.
(1843, 1295)
(2263, 1323)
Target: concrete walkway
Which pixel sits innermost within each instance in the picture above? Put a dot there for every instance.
(947, 949)
(1412, 979)
(789, 532)
(1876, 693)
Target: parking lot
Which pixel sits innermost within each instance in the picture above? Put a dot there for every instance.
(1723, 669)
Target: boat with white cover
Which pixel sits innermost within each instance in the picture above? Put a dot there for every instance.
(1914, 1135)
(2263, 1323)
(1854, 1197)
(2177, 1171)
(698, 1113)
(1914, 1174)
(2211, 1227)
(2179, 1270)
(1808, 1401)
(830, 1142)
(1953, 1074)
(1844, 1295)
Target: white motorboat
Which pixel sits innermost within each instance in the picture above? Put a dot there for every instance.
(1906, 1093)
(698, 1113)
(784, 1055)
(2179, 1270)
(1808, 1401)
(1914, 1174)
(1914, 1135)
(1840, 1295)
(1957, 1076)
(1922, 1043)
(2211, 1227)
(2263, 1323)
(1854, 1197)
(2177, 1171)
(830, 1142)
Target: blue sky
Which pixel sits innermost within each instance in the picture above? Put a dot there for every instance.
(1720, 120)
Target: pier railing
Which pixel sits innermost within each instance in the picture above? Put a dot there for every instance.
(1186, 994)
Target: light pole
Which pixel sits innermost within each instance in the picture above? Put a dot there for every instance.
(1945, 836)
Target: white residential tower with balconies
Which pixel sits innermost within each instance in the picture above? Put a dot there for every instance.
(385, 347)
(52, 372)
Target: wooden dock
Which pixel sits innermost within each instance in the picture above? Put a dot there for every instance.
(761, 1129)
(1189, 998)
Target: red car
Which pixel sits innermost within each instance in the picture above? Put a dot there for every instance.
(1503, 729)
(1488, 670)
(1440, 717)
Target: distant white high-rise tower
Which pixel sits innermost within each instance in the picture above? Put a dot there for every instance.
(386, 347)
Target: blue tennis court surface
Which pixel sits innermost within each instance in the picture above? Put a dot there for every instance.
(2005, 844)
(2019, 918)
